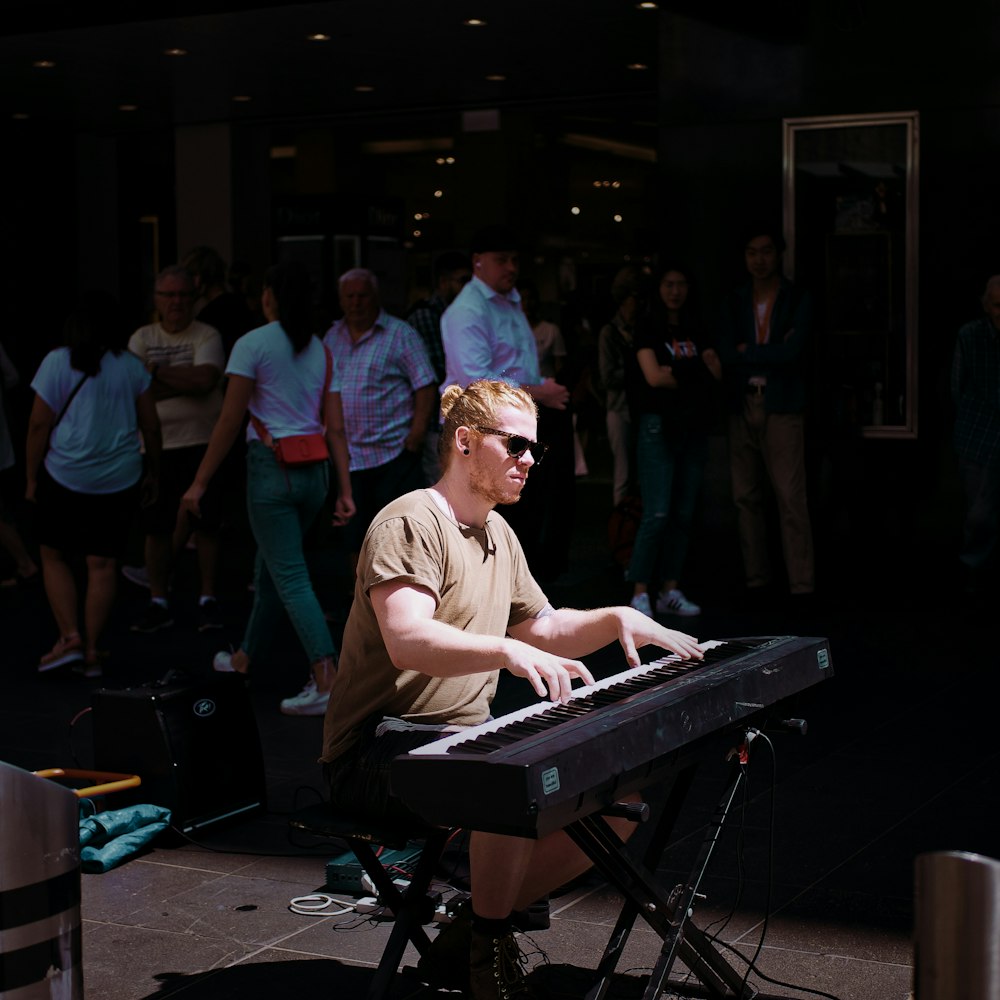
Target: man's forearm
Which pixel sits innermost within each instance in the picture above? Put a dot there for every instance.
(440, 650)
(572, 633)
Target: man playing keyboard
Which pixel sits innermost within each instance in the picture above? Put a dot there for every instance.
(443, 602)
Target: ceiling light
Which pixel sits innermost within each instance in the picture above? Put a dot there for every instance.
(617, 218)
(317, 36)
(128, 107)
(495, 77)
(417, 233)
(475, 22)
(43, 64)
(175, 52)
(616, 184)
(439, 193)
(450, 160)
(637, 66)
(575, 210)
(648, 5)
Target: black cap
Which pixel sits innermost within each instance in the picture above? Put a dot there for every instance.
(493, 238)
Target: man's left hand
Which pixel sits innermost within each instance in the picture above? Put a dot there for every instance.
(636, 630)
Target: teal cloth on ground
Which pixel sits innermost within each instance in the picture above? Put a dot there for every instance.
(109, 838)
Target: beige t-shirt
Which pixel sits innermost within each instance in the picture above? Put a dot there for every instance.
(481, 583)
(184, 420)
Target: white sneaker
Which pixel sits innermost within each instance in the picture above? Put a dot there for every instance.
(641, 603)
(309, 701)
(222, 662)
(673, 602)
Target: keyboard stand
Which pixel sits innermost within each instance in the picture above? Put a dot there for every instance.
(667, 913)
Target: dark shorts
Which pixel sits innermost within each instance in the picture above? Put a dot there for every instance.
(177, 471)
(359, 779)
(90, 524)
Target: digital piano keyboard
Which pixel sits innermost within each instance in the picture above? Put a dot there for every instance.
(538, 769)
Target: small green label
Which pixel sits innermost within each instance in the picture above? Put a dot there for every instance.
(823, 658)
(550, 780)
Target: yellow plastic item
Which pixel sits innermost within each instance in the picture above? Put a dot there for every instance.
(108, 781)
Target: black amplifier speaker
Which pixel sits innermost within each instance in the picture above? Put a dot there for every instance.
(193, 742)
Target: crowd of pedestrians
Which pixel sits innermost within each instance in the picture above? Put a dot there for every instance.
(202, 407)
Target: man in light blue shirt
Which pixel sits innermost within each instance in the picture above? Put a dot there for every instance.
(487, 336)
(485, 332)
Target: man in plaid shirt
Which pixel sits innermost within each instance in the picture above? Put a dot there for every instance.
(975, 390)
(388, 388)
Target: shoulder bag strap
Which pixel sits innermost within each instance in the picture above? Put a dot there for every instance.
(69, 399)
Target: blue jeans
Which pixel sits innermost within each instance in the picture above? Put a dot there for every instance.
(670, 468)
(282, 504)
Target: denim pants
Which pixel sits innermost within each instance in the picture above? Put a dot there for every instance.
(282, 503)
(670, 467)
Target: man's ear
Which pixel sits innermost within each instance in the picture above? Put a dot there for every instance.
(463, 437)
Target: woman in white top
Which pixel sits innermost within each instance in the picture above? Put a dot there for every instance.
(279, 373)
(83, 469)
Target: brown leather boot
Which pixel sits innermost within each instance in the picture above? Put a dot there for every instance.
(496, 968)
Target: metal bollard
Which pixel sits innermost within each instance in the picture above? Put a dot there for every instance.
(40, 954)
(957, 927)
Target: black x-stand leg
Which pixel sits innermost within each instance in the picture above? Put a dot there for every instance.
(667, 913)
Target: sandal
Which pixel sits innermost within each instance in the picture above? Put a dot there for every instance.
(68, 649)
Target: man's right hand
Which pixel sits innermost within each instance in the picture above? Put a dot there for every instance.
(550, 676)
(550, 393)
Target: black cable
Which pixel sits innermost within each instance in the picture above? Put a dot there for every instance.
(751, 967)
(714, 936)
(770, 857)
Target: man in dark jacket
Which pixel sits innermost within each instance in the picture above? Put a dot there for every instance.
(763, 335)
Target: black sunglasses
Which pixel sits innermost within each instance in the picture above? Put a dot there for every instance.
(518, 444)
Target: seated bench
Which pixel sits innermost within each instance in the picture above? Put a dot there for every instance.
(410, 905)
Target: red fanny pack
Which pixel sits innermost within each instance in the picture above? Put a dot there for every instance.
(299, 449)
